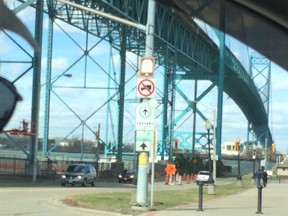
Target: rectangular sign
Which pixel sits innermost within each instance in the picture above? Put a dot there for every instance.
(147, 66)
(145, 117)
(144, 140)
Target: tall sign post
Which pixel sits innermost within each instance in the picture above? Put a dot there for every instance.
(145, 126)
(145, 113)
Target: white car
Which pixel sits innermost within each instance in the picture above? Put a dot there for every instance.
(202, 176)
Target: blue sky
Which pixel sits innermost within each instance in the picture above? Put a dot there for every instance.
(86, 102)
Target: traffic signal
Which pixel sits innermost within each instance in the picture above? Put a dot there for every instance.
(236, 145)
(273, 148)
(176, 143)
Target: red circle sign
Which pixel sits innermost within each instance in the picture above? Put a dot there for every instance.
(146, 87)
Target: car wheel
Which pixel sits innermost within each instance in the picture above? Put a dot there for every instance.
(84, 184)
(93, 182)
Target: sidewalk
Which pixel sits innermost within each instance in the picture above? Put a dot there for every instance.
(274, 202)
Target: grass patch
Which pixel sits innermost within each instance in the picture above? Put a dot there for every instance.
(120, 201)
(112, 202)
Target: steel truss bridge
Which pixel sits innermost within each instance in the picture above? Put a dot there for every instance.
(182, 50)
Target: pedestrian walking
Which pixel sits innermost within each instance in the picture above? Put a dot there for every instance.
(265, 178)
(258, 177)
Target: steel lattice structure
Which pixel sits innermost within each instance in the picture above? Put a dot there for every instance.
(182, 50)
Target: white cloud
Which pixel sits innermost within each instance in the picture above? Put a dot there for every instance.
(59, 64)
(68, 28)
(5, 45)
(280, 85)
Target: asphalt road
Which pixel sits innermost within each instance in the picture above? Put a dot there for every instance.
(46, 200)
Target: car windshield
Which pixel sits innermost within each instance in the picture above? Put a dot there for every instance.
(203, 173)
(76, 168)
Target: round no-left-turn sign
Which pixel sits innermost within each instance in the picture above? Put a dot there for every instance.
(146, 87)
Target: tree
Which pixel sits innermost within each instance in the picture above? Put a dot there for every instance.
(197, 164)
(219, 167)
(181, 164)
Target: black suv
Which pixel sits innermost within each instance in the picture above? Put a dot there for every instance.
(82, 174)
(127, 175)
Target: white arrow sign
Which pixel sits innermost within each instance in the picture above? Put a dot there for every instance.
(144, 140)
(145, 117)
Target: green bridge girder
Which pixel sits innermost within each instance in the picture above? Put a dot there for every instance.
(197, 56)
